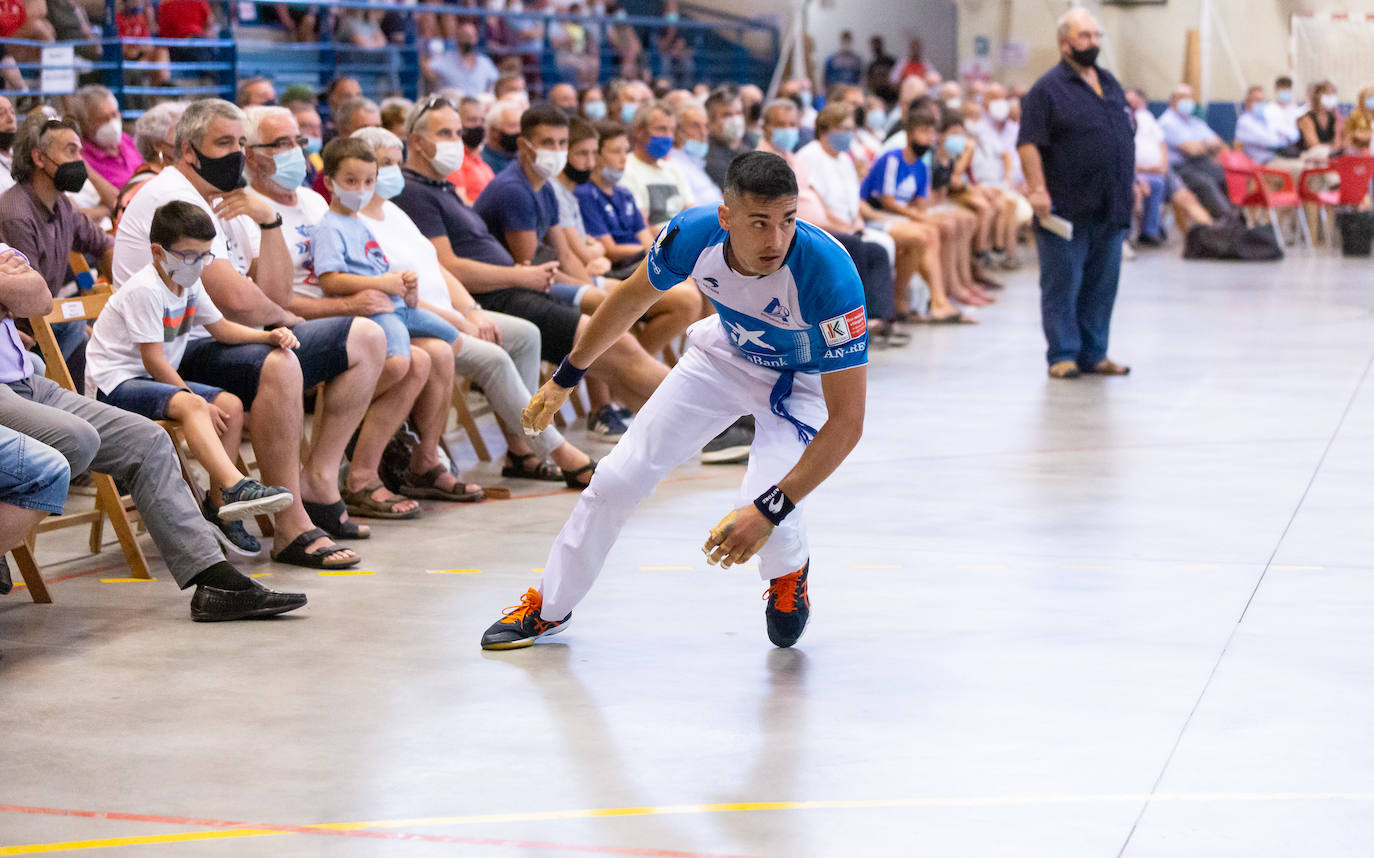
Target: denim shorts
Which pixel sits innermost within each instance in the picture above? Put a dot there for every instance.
(323, 354)
(32, 474)
(150, 398)
(417, 322)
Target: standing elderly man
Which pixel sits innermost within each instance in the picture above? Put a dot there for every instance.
(1077, 147)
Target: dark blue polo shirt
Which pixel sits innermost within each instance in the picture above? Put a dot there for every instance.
(1087, 144)
(510, 203)
(434, 206)
(616, 215)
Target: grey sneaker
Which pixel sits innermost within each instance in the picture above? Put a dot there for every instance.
(248, 498)
(731, 446)
(606, 424)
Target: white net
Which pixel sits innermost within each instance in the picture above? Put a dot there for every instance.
(1337, 48)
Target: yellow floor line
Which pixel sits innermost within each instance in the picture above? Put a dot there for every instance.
(126, 580)
(339, 572)
(683, 810)
(454, 571)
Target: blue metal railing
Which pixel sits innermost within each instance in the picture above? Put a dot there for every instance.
(728, 48)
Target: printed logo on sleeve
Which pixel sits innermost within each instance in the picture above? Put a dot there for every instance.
(842, 329)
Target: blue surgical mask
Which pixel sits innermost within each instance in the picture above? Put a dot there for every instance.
(612, 175)
(955, 143)
(354, 201)
(1284, 96)
(290, 169)
(671, 17)
(784, 139)
(876, 119)
(840, 141)
(1369, 102)
(1257, 109)
(628, 111)
(595, 110)
(390, 182)
(659, 147)
(1186, 106)
(313, 145)
(806, 99)
(695, 149)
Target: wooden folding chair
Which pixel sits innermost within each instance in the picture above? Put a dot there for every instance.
(461, 387)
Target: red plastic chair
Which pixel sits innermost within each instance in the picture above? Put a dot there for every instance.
(1247, 187)
(1356, 172)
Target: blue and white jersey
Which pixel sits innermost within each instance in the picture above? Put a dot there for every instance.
(808, 316)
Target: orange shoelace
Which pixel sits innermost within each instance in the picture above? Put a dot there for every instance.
(531, 601)
(788, 589)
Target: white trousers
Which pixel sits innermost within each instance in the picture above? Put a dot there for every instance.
(708, 390)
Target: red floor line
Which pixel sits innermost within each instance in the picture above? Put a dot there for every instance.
(364, 834)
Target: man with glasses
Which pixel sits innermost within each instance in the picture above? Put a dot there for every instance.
(250, 283)
(1077, 147)
(469, 252)
(38, 220)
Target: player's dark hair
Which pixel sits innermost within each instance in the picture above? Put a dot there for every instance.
(761, 174)
(177, 220)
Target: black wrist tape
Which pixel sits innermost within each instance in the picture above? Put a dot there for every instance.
(568, 375)
(774, 505)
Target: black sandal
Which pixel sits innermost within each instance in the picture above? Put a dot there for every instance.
(519, 468)
(329, 517)
(296, 555)
(573, 478)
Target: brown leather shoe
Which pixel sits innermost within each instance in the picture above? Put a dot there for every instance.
(1106, 366)
(1065, 369)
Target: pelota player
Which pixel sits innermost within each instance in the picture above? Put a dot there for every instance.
(789, 346)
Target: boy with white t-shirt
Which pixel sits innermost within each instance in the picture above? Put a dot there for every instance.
(137, 346)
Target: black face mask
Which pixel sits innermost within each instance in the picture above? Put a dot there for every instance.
(224, 173)
(578, 177)
(510, 142)
(70, 177)
(1086, 57)
(754, 113)
(919, 149)
(473, 137)
(6, 140)
(466, 49)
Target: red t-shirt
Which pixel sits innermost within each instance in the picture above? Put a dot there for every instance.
(13, 15)
(182, 19)
(132, 26)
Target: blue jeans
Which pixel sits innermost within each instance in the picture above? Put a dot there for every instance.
(406, 322)
(148, 398)
(1152, 223)
(1078, 281)
(32, 474)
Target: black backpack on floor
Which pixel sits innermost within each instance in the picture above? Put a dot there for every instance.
(1231, 239)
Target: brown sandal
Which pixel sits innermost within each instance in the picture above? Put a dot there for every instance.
(426, 486)
(362, 504)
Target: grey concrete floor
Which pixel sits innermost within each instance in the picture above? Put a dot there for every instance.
(1097, 618)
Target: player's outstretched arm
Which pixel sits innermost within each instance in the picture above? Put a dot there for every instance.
(741, 534)
(616, 315)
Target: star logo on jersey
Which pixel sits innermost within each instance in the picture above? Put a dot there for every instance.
(777, 312)
(745, 337)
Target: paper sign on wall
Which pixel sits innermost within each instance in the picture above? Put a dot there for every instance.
(59, 70)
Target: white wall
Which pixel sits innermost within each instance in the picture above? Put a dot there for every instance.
(1146, 43)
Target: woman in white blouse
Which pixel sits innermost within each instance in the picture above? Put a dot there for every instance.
(498, 352)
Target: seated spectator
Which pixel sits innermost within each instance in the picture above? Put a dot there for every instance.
(108, 151)
(137, 345)
(512, 87)
(725, 125)
(338, 91)
(467, 70)
(845, 65)
(499, 353)
(255, 91)
(582, 147)
(1359, 128)
(564, 97)
(898, 189)
(1257, 140)
(395, 109)
(503, 132)
(473, 173)
(1321, 125)
(360, 28)
(8, 127)
(608, 210)
(133, 450)
(1193, 148)
(153, 138)
(249, 281)
(33, 486)
(1155, 181)
(660, 191)
(419, 344)
(469, 252)
(1283, 112)
(960, 219)
(38, 220)
(751, 101)
(798, 90)
(134, 20)
(349, 116)
(185, 19)
(592, 104)
(298, 96)
(868, 135)
(689, 155)
(625, 97)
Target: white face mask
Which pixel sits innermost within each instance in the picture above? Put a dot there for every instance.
(999, 109)
(354, 201)
(109, 134)
(184, 274)
(733, 128)
(448, 156)
(550, 162)
(1330, 101)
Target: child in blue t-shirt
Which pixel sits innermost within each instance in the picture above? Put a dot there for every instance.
(348, 259)
(608, 209)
